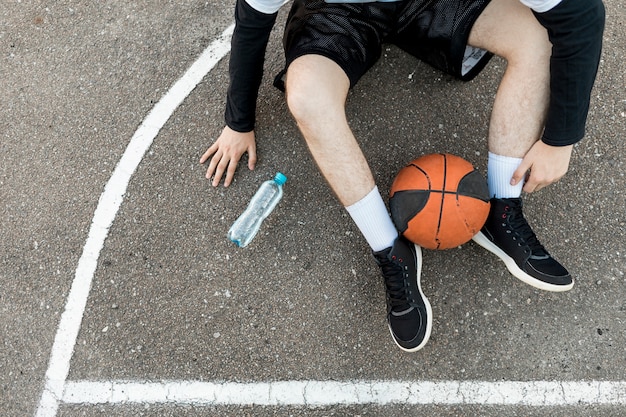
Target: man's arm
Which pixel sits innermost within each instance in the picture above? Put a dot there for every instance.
(575, 28)
(250, 38)
(253, 26)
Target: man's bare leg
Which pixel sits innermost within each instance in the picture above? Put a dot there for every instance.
(509, 29)
(316, 93)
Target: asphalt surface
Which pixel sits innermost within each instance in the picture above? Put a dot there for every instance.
(173, 299)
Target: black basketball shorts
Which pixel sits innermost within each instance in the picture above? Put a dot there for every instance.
(352, 34)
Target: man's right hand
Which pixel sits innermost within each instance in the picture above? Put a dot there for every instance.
(542, 166)
(226, 153)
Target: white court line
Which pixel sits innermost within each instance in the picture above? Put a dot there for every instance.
(108, 206)
(58, 390)
(328, 393)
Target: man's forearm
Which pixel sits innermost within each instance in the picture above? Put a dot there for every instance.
(575, 28)
(250, 38)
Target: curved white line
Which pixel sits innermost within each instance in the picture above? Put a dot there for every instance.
(308, 393)
(108, 206)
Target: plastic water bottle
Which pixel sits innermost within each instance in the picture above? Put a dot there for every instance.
(248, 224)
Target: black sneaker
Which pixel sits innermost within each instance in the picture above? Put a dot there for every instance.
(409, 315)
(508, 235)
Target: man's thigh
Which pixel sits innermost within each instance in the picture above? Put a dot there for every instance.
(508, 28)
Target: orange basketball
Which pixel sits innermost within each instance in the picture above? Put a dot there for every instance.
(439, 201)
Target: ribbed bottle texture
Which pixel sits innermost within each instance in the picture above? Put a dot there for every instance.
(261, 205)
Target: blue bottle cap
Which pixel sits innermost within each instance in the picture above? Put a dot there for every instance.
(280, 178)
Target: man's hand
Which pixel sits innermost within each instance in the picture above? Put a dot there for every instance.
(226, 152)
(542, 166)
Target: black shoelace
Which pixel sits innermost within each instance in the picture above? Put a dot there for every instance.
(397, 288)
(521, 228)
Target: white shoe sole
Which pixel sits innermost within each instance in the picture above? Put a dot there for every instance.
(517, 272)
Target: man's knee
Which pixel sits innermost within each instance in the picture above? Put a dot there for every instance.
(315, 86)
(300, 98)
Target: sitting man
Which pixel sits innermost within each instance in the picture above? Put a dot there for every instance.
(552, 48)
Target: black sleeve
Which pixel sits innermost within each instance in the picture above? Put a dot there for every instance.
(575, 28)
(252, 31)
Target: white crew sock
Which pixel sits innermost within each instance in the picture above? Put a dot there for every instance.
(371, 217)
(500, 170)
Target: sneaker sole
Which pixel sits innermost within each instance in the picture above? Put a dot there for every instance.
(515, 270)
(429, 311)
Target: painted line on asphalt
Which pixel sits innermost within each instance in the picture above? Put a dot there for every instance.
(330, 393)
(108, 206)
